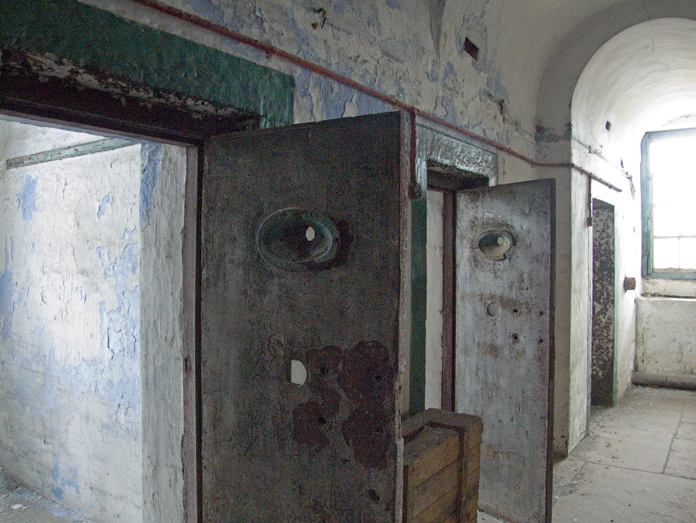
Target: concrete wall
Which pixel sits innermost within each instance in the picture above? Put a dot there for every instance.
(70, 400)
(666, 344)
(162, 328)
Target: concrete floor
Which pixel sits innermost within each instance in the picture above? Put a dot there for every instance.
(637, 465)
(18, 504)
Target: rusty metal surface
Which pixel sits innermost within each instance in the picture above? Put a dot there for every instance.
(327, 450)
(603, 299)
(55, 90)
(505, 343)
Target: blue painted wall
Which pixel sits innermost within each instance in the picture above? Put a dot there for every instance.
(70, 400)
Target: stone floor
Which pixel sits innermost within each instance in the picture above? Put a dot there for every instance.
(18, 504)
(637, 465)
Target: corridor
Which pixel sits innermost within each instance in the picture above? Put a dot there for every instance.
(637, 465)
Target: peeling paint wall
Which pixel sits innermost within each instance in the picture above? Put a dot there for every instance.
(412, 50)
(161, 330)
(70, 400)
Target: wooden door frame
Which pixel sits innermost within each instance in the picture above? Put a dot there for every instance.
(445, 155)
(449, 182)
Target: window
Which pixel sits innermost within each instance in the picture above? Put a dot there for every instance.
(668, 181)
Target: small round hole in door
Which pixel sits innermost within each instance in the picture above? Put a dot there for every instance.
(496, 245)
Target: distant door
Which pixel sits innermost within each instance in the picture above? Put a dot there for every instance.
(603, 303)
(504, 329)
(302, 245)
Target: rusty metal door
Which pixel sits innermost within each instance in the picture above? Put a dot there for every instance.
(302, 244)
(504, 359)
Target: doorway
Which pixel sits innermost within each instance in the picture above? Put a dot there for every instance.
(603, 304)
(85, 234)
(490, 323)
(443, 185)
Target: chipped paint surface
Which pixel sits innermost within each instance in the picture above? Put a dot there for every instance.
(603, 303)
(70, 315)
(504, 330)
(410, 49)
(104, 48)
(326, 450)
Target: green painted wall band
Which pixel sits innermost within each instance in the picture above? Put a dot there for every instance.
(104, 43)
(419, 304)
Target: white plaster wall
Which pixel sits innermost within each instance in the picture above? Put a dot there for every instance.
(434, 318)
(581, 310)
(665, 287)
(161, 320)
(69, 308)
(642, 79)
(666, 342)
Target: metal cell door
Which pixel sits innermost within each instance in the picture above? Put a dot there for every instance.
(301, 294)
(504, 358)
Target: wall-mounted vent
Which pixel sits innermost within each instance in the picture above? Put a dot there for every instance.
(471, 49)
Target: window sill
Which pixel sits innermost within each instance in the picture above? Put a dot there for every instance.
(668, 287)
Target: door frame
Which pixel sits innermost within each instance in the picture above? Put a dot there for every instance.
(449, 182)
(442, 151)
(91, 80)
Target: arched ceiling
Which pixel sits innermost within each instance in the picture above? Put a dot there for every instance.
(541, 47)
(643, 79)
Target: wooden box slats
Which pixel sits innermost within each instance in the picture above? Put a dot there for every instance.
(441, 467)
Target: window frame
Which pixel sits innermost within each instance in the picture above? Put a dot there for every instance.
(648, 270)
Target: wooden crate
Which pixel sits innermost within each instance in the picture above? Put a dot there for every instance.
(441, 467)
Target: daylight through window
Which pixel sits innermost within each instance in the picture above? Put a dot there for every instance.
(672, 165)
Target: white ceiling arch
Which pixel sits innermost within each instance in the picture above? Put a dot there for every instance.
(578, 47)
(643, 79)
